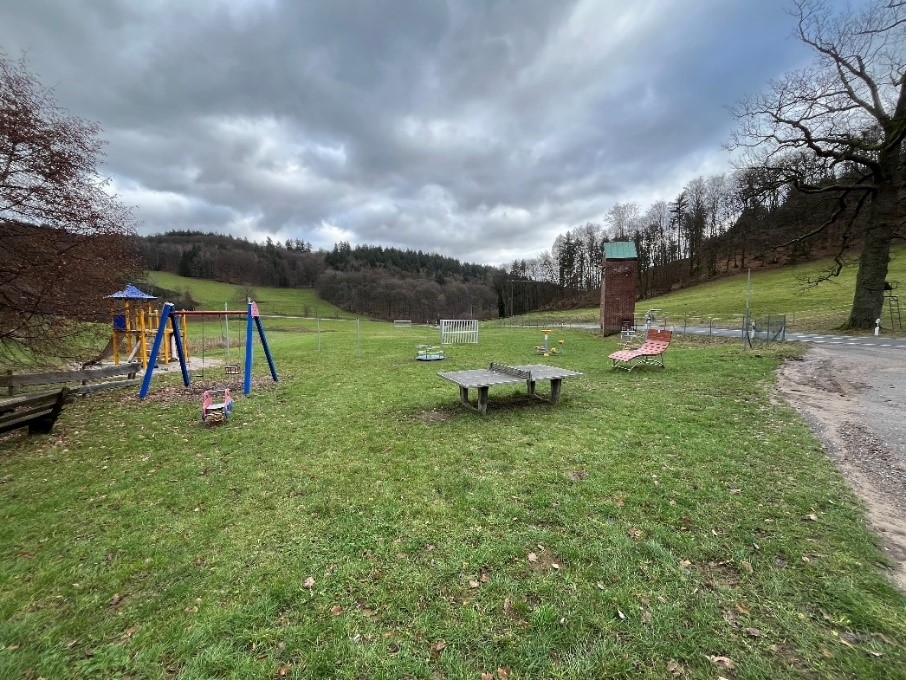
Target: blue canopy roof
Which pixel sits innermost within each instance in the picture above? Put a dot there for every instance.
(130, 292)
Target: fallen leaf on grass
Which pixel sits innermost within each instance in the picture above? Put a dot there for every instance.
(723, 662)
(676, 670)
(532, 557)
(811, 517)
(847, 643)
(309, 583)
(437, 648)
(634, 532)
(473, 584)
(753, 632)
(336, 610)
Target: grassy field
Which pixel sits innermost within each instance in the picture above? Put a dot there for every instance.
(354, 521)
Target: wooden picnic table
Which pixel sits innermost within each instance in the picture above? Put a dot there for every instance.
(500, 374)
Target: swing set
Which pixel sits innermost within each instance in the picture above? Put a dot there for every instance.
(173, 316)
(229, 366)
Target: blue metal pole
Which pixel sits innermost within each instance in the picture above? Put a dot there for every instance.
(155, 349)
(247, 379)
(180, 352)
(267, 350)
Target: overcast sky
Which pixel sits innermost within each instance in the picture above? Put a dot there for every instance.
(479, 129)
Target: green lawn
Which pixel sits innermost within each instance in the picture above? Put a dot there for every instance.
(353, 521)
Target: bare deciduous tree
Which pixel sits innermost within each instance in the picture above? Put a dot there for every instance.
(65, 241)
(839, 126)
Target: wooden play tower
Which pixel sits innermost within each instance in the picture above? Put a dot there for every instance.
(135, 321)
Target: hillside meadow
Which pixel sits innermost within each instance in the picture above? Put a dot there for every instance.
(353, 520)
(216, 294)
(781, 291)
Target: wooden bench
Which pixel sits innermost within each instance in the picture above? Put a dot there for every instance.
(38, 412)
(29, 405)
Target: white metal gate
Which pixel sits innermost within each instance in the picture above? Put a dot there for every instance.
(458, 331)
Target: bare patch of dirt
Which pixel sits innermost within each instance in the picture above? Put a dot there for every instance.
(205, 375)
(831, 390)
(434, 416)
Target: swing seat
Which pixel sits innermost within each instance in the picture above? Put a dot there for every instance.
(221, 408)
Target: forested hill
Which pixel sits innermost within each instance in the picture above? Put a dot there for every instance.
(382, 282)
(678, 244)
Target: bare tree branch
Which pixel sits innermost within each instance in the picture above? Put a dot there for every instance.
(838, 127)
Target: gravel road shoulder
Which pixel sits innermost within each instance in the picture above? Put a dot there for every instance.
(854, 400)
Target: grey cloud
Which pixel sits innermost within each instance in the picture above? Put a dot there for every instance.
(479, 129)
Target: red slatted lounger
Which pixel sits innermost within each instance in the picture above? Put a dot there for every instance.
(650, 353)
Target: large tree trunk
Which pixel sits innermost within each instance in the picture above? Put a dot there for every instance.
(868, 301)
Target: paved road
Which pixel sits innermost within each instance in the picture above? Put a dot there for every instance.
(879, 369)
(816, 338)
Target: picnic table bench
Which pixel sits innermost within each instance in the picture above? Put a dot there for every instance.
(500, 374)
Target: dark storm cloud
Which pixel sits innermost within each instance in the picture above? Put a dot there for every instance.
(476, 129)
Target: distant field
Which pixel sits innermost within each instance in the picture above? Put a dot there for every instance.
(215, 294)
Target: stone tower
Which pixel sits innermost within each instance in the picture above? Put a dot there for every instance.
(619, 285)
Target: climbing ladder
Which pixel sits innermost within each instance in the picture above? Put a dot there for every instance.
(893, 307)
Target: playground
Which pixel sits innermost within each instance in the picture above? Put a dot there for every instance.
(355, 520)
